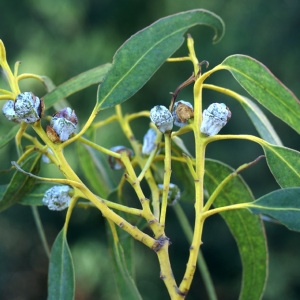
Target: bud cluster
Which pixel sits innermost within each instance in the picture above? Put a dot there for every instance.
(173, 194)
(115, 163)
(27, 108)
(58, 197)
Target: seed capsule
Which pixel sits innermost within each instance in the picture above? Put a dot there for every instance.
(115, 163)
(149, 141)
(57, 197)
(182, 112)
(215, 118)
(27, 108)
(62, 125)
(173, 195)
(162, 118)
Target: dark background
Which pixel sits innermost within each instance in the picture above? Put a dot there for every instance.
(63, 38)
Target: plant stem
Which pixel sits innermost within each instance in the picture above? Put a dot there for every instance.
(184, 222)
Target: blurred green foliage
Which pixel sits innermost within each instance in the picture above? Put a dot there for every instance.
(63, 38)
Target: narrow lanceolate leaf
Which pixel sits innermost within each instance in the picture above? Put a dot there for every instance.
(260, 121)
(75, 84)
(20, 183)
(125, 284)
(61, 280)
(282, 205)
(261, 84)
(4, 139)
(284, 164)
(140, 56)
(246, 228)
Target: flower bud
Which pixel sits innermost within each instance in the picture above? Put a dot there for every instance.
(27, 107)
(162, 118)
(115, 163)
(62, 125)
(182, 112)
(215, 118)
(173, 195)
(58, 197)
(45, 158)
(149, 141)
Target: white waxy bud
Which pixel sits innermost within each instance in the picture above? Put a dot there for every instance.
(149, 141)
(182, 112)
(115, 163)
(162, 118)
(45, 158)
(173, 194)
(27, 107)
(215, 118)
(58, 197)
(62, 125)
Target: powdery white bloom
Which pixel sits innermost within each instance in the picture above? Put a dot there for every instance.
(215, 118)
(62, 125)
(162, 118)
(27, 107)
(182, 112)
(57, 197)
(173, 194)
(149, 141)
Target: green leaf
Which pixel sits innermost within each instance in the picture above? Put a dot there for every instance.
(35, 196)
(4, 139)
(282, 205)
(284, 164)
(125, 283)
(261, 84)
(20, 183)
(140, 56)
(260, 121)
(61, 279)
(75, 84)
(246, 228)
(94, 170)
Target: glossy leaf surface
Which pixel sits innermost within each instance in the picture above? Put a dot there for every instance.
(284, 164)
(282, 205)
(20, 183)
(141, 55)
(75, 84)
(246, 228)
(261, 84)
(61, 281)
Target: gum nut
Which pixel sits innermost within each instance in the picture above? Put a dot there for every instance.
(182, 112)
(149, 141)
(162, 118)
(57, 197)
(68, 114)
(115, 163)
(27, 107)
(8, 110)
(173, 194)
(215, 118)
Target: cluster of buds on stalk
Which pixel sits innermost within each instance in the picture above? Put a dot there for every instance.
(26, 108)
(115, 163)
(62, 125)
(58, 197)
(173, 194)
(164, 120)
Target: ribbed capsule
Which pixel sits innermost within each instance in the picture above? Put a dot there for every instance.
(62, 125)
(27, 108)
(58, 197)
(214, 118)
(149, 141)
(182, 112)
(162, 118)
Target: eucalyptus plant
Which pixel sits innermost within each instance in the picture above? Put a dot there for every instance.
(211, 186)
